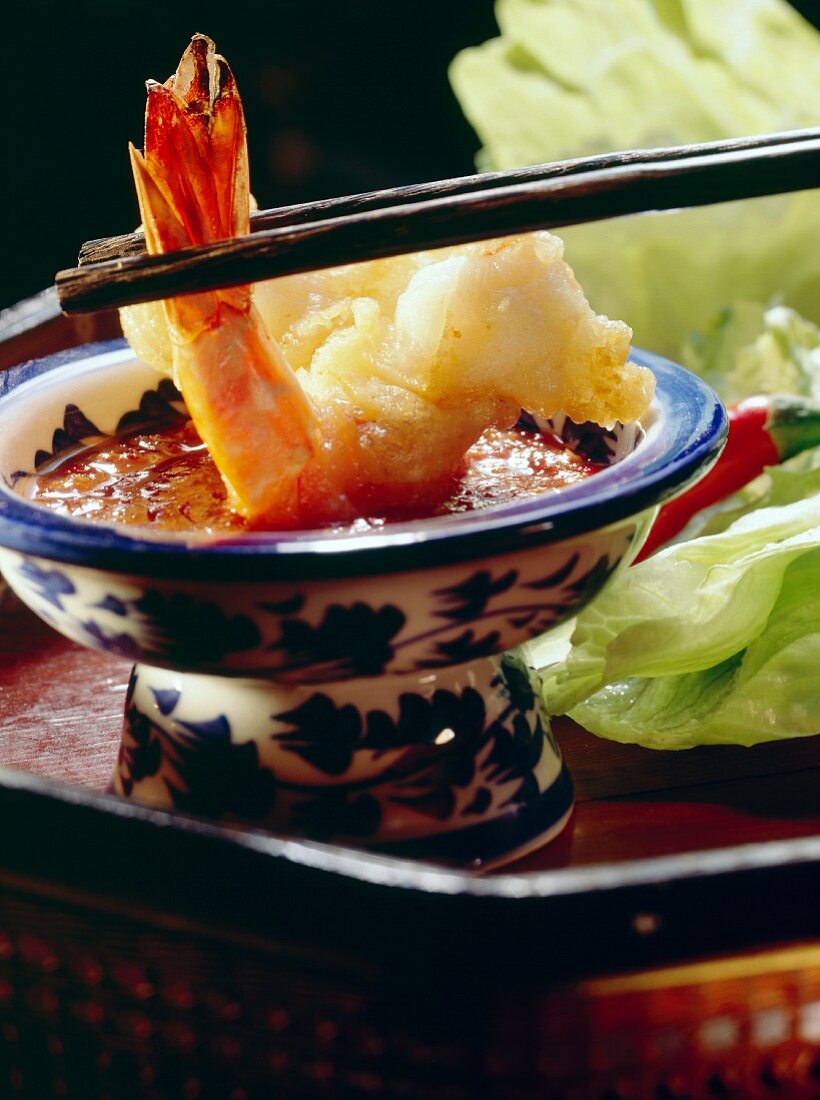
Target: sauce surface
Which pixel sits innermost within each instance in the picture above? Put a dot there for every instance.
(166, 479)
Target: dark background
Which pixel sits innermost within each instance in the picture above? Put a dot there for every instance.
(340, 96)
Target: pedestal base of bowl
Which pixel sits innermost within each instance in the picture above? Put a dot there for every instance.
(456, 764)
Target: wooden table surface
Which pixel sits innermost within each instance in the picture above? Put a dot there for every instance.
(61, 710)
(100, 997)
(61, 707)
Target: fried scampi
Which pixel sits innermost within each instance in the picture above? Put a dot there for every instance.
(329, 395)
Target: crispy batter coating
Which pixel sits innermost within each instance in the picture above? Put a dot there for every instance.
(409, 359)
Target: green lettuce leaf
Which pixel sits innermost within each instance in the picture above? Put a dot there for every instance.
(795, 480)
(716, 638)
(570, 78)
(749, 349)
(712, 640)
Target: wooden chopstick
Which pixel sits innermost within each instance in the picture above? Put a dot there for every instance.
(133, 244)
(378, 224)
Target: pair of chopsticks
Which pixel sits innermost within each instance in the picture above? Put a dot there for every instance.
(116, 271)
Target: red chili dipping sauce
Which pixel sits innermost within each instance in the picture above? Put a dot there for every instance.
(166, 479)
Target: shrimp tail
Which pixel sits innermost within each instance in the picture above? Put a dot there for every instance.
(192, 188)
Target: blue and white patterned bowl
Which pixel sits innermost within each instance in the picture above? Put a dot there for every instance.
(342, 686)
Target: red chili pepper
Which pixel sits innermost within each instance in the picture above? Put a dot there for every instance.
(763, 431)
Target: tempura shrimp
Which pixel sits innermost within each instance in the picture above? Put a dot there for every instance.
(353, 391)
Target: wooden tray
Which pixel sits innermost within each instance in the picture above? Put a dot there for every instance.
(138, 947)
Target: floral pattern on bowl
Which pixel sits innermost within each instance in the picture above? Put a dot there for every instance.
(444, 766)
(337, 685)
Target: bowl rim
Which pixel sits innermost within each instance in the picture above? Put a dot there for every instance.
(692, 428)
